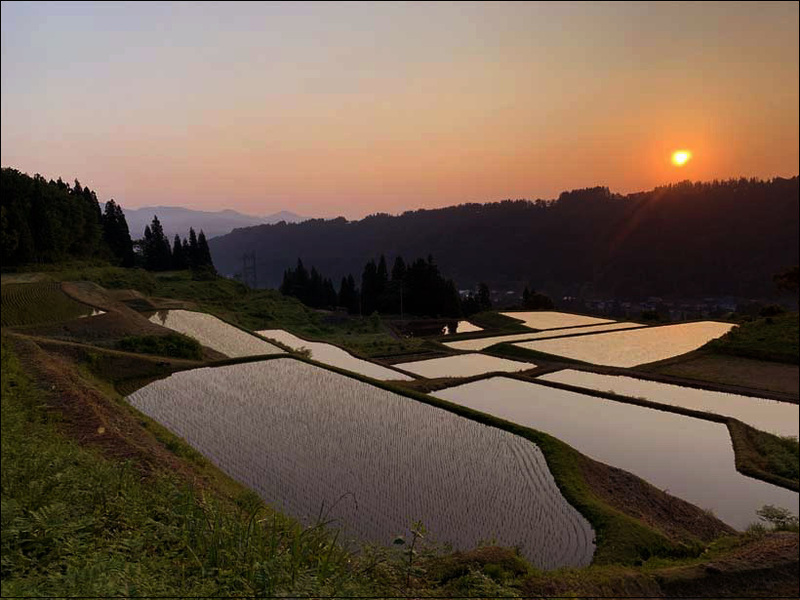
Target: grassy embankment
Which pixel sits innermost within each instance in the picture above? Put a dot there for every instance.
(174, 345)
(761, 354)
(78, 522)
(759, 454)
(75, 522)
(253, 309)
(768, 338)
(110, 564)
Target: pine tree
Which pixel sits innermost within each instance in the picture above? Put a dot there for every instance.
(370, 286)
(329, 295)
(484, 297)
(399, 269)
(116, 233)
(194, 251)
(348, 295)
(157, 254)
(178, 257)
(203, 251)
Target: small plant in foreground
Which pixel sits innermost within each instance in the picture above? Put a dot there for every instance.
(780, 518)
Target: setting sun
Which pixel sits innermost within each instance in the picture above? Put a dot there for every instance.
(681, 157)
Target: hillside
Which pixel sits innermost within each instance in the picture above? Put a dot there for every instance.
(686, 240)
(108, 468)
(177, 219)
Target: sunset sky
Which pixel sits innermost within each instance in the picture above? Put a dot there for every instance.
(348, 109)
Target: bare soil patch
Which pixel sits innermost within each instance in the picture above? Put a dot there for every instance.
(88, 416)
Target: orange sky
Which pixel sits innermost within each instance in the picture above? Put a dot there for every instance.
(354, 108)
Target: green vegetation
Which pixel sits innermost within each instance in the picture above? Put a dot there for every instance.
(254, 309)
(51, 221)
(621, 538)
(36, 303)
(75, 523)
(775, 338)
(416, 289)
(112, 278)
(766, 456)
(172, 344)
(781, 519)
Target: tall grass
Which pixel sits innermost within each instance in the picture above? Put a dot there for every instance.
(774, 338)
(75, 523)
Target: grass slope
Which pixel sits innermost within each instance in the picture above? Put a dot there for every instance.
(173, 344)
(253, 309)
(77, 523)
(37, 303)
(769, 338)
(161, 520)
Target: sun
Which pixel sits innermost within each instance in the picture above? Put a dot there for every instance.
(681, 157)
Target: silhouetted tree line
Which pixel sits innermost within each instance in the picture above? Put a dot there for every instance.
(51, 221)
(416, 289)
(188, 253)
(310, 288)
(532, 300)
(475, 303)
(687, 239)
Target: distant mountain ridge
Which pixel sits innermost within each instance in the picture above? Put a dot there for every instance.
(178, 219)
(683, 240)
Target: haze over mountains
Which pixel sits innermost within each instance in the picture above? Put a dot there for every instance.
(177, 219)
(684, 240)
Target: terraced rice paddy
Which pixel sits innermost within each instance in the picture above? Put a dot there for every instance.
(780, 418)
(483, 343)
(39, 303)
(690, 458)
(463, 365)
(334, 356)
(463, 327)
(546, 319)
(214, 333)
(307, 439)
(633, 347)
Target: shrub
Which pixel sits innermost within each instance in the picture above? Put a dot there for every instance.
(780, 518)
(172, 344)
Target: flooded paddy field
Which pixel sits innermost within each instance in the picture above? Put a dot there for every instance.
(214, 333)
(478, 344)
(635, 346)
(546, 319)
(310, 440)
(433, 327)
(780, 418)
(335, 356)
(463, 365)
(690, 458)
(462, 327)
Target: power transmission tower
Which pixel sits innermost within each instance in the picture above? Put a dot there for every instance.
(249, 277)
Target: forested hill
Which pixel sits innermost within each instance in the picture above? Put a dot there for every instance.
(689, 239)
